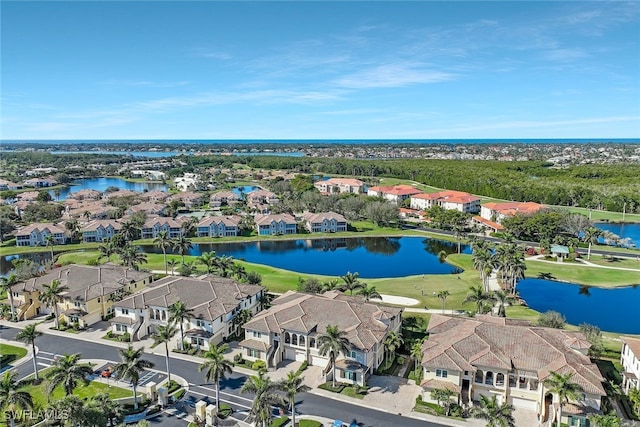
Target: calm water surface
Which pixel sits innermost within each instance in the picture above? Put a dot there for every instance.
(614, 310)
(101, 184)
(624, 230)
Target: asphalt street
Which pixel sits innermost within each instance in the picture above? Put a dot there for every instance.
(50, 345)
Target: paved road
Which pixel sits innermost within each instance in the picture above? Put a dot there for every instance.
(311, 404)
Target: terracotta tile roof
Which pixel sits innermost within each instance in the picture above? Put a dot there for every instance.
(511, 208)
(254, 344)
(315, 218)
(267, 219)
(169, 222)
(634, 345)
(504, 344)
(342, 181)
(40, 227)
(230, 221)
(488, 223)
(435, 383)
(229, 195)
(397, 190)
(104, 223)
(123, 320)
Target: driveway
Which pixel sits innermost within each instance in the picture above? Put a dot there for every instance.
(395, 394)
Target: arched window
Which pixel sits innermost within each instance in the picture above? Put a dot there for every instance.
(312, 342)
(500, 379)
(294, 339)
(302, 340)
(489, 378)
(287, 338)
(479, 376)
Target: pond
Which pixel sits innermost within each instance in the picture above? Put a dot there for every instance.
(614, 310)
(624, 230)
(244, 189)
(372, 257)
(101, 184)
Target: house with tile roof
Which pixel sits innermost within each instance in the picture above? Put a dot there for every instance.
(100, 230)
(224, 198)
(154, 196)
(274, 225)
(41, 182)
(154, 226)
(291, 328)
(261, 200)
(86, 194)
(448, 199)
(8, 185)
(219, 226)
(630, 360)
(36, 234)
(510, 359)
(324, 222)
(215, 302)
(395, 193)
(89, 297)
(339, 185)
(496, 212)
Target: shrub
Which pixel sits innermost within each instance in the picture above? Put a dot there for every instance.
(279, 422)
(302, 367)
(259, 365)
(238, 358)
(93, 262)
(126, 337)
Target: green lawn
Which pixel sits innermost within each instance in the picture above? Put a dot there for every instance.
(15, 250)
(397, 181)
(9, 354)
(583, 275)
(615, 262)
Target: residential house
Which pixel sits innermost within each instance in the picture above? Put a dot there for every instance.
(100, 230)
(496, 212)
(90, 295)
(187, 181)
(151, 208)
(271, 225)
(487, 225)
(215, 302)
(219, 226)
(448, 199)
(291, 328)
(189, 198)
(395, 193)
(121, 193)
(324, 222)
(36, 234)
(8, 185)
(509, 359)
(87, 210)
(223, 198)
(41, 182)
(86, 194)
(261, 200)
(28, 196)
(154, 196)
(630, 360)
(339, 185)
(154, 226)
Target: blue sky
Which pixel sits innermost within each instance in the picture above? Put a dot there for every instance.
(334, 70)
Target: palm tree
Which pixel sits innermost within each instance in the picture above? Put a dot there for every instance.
(129, 231)
(503, 299)
(11, 398)
(369, 292)
(482, 262)
(602, 420)
(225, 264)
(50, 241)
(172, 263)
(28, 335)
(458, 232)
(564, 388)
(443, 397)
(478, 296)
(132, 257)
(442, 295)
(51, 295)
(182, 245)
(591, 236)
(392, 343)
(5, 286)
(493, 413)
(163, 335)
(164, 242)
(292, 385)
(178, 314)
(442, 256)
(130, 368)
(216, 366)
(209, 260)
(351, 282)
(68, 372)
(331, 285)
(74, 411)
(416, 353)
(112, 410)
(265, 397)
(333, 342)
(107, 250)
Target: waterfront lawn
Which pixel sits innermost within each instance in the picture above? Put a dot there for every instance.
(419, 186)
(615, 262)
(10, 354)
(17, 250)
(582, 275)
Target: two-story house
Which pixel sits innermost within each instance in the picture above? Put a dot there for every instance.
(90, 294)
(448, 199)
(510, 359)
(324, 222)
(154, 226)
(86, 194)
(496, 212)
(215, 302)
(41, 182)
(630, 360)
(339, 185)
(100, 230)
(395, 193)
(292, 327)
(223, 198)
(37, 234)
(261, 200)
(272, 225)
(219, 226)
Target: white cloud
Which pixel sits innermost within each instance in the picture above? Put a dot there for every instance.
(392, 75)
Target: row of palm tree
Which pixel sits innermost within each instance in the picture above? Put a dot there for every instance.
(130, 256)
(507, 259)
(486, 301)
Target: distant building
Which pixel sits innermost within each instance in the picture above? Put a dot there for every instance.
(223, 198)
(448, 199)
(86, 194)
(271, 225)
(496, 212)
(41, 182)
(630, 360)
(324, 222)
(395, 193)
(36, 234)
(154, 226)
(340, 185)
(8, 185)
(100, 230)
(219, 226)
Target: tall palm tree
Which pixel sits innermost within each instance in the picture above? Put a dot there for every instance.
(503, 299)
(164, 335)
(5, 286)
(216, 367)
(131, 366)
(28, 335)
(173, 264)
(107, 249)
(416, 353)
(11, 397)
(493, 413)
(392, 343)
(458, 232)
(129, 231)
(50, 242)
(265, 397)
(74, 410)
(478, 296)
(442, 295)
(292, 385)
(482, 262)
(132, 257)
(178, 314)
(443, 397)
(591, 236)
(225, 265)
(164, 242)
(113, 411)
(182, 244)
(209, 260)
(368, 292)
(51, 295)
(351, 282)
(562, 386)
(67, 371)
(333, 342)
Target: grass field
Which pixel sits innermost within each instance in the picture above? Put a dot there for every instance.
(615, 262)
(9, 354)
(583, 275)
(39, 395)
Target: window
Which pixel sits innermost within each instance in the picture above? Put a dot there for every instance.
(479, 376)
(253, 353)
(489, 378)
(350, 375)
(200, 323)
(125, 311)
(257, 334)
(441, 373)
(302, 340)
(294, 339)
(353, 354)
(312, 342)
(77, 303)
(121, 328)
(500, 379)
(197, 341)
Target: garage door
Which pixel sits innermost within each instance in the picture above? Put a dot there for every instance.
(290, 354)
(301, 357)
(319, 361)
(520, 403)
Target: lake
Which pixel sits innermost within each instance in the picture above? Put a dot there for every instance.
(614, 310)
(101, 184)
(150, 154)
(624, 230)
(244, 189)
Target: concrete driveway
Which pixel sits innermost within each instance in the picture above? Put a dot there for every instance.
(394, 394)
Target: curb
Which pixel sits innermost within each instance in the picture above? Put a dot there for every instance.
(24, 359)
